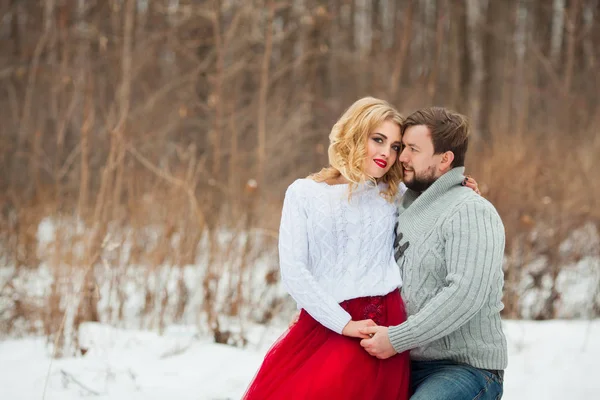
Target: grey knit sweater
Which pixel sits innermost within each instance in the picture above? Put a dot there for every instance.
(450, 245)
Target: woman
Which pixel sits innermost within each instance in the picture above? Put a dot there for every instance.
(337, 262)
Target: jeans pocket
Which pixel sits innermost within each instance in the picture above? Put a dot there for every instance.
(495, 384)
(496, 376)
(499, 377)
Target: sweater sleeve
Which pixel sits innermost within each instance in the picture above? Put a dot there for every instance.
(293, 260)
(474, 251)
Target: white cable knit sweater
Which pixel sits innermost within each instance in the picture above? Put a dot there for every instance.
(332, 249)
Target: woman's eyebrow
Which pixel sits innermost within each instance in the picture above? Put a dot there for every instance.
(380, 134)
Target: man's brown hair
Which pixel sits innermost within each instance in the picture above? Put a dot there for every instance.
(449, 131)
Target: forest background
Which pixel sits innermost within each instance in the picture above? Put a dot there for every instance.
(146, 145)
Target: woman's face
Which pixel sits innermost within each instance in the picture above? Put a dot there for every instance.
(383, 148)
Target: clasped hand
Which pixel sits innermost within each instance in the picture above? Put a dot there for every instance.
(375, 339)
(377, 342)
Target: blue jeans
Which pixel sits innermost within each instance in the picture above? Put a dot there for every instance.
(449, 380)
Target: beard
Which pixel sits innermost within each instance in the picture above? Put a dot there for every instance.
(421, 181)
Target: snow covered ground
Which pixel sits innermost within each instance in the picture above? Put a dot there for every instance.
(548, 360)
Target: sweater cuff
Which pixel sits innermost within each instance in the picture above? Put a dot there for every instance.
(401, 337)
(339, 323)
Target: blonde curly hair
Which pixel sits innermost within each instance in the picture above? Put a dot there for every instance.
(348, 145)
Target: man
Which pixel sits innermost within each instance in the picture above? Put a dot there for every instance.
(449, 247)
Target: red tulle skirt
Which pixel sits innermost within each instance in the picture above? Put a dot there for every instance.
(312, 362)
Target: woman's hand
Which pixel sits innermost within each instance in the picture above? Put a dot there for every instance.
(294, 320)
(472, 184)
(352, 327)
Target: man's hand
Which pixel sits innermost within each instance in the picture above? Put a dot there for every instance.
(378, 345)
(294, 320)
(352, 328)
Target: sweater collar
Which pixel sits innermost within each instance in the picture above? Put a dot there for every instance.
(421, 201)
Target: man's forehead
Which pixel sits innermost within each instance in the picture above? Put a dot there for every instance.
(416, 134)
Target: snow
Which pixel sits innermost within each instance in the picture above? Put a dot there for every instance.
(555, 359)
(547, 360)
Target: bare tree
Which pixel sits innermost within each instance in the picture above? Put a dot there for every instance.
(165, 126)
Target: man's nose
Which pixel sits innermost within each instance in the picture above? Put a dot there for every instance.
(403, 156)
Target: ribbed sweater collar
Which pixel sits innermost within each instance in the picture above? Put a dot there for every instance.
(421, 205)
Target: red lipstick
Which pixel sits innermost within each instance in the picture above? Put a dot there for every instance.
(381, 163)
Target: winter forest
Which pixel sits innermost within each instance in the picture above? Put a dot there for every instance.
(146, 145)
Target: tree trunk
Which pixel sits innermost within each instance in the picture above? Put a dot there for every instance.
(495, 34)
(375, 67)
(460, 57)
(263, 93)
(439, 44)
(541, 14)
(404, 36)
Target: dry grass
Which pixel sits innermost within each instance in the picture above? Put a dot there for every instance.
(542, 193)
(544, 189)
(157, 146)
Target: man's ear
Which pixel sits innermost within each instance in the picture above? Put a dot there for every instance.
(446, 161)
